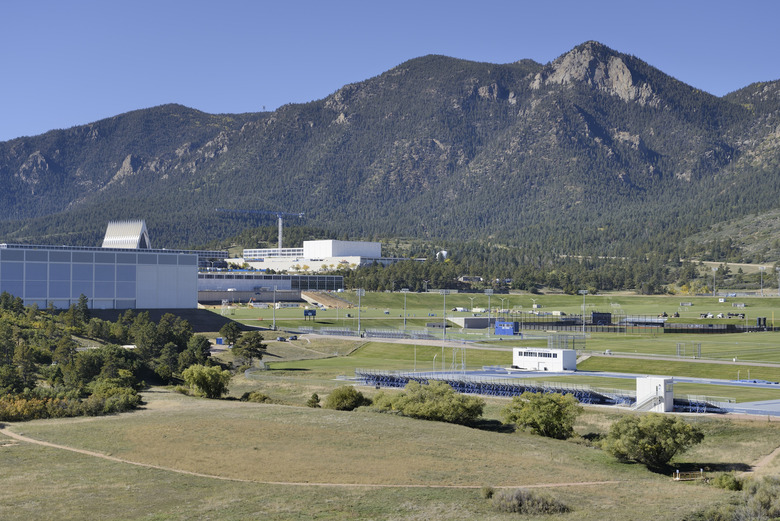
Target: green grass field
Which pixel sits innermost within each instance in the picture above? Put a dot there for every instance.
(385, 310)
(231, 460)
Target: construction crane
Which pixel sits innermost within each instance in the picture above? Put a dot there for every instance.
(279, 216)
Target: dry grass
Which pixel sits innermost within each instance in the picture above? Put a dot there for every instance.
(271, 443)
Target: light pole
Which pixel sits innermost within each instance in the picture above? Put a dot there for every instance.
(426, 285)
(761, 270)
(488, 292)
(274, 310)
(502, 306)
(360, 293)
(583, 292)
(472, 304)
(444, 293)
(404, 291)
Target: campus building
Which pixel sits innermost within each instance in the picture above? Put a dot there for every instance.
(318, 256)
(125, 274)
(537, 359)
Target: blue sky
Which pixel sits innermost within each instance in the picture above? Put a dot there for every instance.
(71, 62)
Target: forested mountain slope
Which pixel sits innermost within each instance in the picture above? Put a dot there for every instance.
(596, 152)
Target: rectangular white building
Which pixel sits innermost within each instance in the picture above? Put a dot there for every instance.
(537, 359)
(330, 249)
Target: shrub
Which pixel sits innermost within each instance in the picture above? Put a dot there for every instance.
(652, 439)
(760, 499)
(487, 492)
(436, 401)
(551, 415)
(526, 502)
(256, 397)
(346, 398)
(728, 481)
(212, 382)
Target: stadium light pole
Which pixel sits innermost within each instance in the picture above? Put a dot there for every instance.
(502, 306)
(761, 270)
(489, 292)
(360, 293)
(444, 293)
(472, 304)
(274, 310)
(404, 291)
(583, 292)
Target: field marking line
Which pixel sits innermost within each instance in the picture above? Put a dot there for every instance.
(19, 437)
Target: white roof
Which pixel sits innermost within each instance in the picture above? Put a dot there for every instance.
(127, 234)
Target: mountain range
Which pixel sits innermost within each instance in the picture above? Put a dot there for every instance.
(596, 152)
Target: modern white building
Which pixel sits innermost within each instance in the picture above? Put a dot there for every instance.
(537, 359)
(317, 256)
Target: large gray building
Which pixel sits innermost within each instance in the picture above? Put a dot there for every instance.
(111, 278)
(124, 274)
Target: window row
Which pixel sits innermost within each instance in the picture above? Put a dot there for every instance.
(69, 290)
(36, 271)
(97, 257)
(539, 355)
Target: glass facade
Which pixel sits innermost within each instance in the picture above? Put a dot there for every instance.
(109, 279)
(251, 281)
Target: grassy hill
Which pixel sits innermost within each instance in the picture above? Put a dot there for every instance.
(240, 461)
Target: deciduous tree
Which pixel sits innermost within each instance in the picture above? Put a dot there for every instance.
(547, 414)
(652, 439)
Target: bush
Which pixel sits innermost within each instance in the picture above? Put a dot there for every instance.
(551, 415)
(487, 492)
(346, 398)
(211, 382)
(652, 439)
(256, 397)
(436, 401)
(728, 482)
(760, 499)
(526, 502)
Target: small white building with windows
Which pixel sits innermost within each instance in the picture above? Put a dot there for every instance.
(538, 359)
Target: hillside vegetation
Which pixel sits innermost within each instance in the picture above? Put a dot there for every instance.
(595, 153)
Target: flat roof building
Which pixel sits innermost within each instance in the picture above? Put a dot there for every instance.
(111, 278)
(123, 274)
(538, 359)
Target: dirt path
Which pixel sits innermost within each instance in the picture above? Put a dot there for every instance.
(18, 437)
(761, 463)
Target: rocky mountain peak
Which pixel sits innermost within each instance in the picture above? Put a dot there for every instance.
(597, 65)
